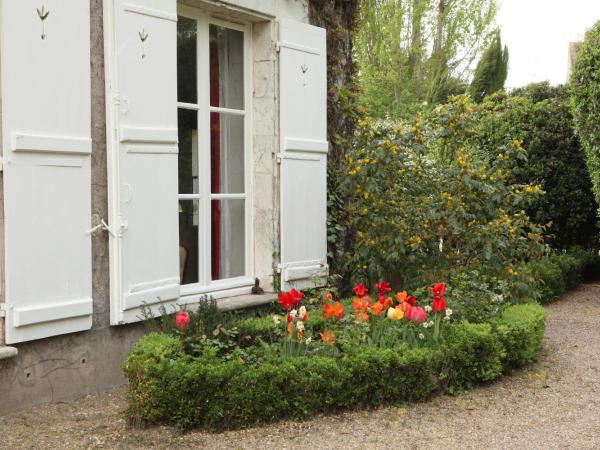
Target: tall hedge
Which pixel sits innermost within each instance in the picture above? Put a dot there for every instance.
(585, 101)
(539, 115)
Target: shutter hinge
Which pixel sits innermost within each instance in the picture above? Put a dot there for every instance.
(277, 46)
(2, 309)
(1, 164)
(104, 226)
(279, 157)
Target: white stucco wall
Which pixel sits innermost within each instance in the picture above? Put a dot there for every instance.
(72, 365)
(291, 9)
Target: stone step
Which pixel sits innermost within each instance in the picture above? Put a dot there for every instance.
(7, 352)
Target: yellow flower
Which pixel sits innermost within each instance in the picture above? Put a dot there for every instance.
(395, 313)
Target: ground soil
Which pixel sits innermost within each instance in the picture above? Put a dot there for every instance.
(554, 403)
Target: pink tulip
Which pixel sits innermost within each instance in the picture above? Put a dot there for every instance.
(182, 320)
(416, 313)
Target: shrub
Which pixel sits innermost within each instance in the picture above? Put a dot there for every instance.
(424, 205)
(585, 91)
(559, 272)
(167, 386)
(520, 330)
(539, 115)
(474, 355)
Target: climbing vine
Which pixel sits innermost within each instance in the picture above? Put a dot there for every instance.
(339, 18)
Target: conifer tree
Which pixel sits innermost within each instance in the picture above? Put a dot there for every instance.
(491, 71)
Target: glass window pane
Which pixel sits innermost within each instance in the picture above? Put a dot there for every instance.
(187, 91)
(188, 151)
(228, 253)
(226, 67)
(227, 153)
(188, 241)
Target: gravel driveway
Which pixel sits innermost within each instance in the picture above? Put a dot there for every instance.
(554, 403)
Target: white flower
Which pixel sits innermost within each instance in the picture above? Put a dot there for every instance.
(428, 324)
(277, 320)
(302, 311)
(497, 298)
(308, 340)
(421, 336)
(300, 326)
(428, 308)
(293, 313)
(448, 312)
(446, 317)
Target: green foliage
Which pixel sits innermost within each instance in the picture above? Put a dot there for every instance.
(343, 111)
(167, 386)
(425, 206)
(520, 330)
(585, 92)
(557, 273)
(474, 355)
(538, 115)
(245, 386)
(477, 296)
(491, 71)
(419, 51)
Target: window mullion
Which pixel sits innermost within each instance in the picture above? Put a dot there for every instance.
(204, 239)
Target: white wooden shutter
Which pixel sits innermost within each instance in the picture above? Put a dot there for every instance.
(46, 146)
(303, 184)
(141, 61)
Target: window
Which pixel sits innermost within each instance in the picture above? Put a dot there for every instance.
(214, 178)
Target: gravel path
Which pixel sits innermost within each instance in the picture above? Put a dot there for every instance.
(554, 403)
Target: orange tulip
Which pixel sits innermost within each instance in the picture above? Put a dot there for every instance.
(335, 310)
(378, 308)
(361, 303)
(401, 296)
(361, 315)
(404, 306)
(328, 337)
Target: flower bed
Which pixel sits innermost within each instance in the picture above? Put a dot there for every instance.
(361, 352)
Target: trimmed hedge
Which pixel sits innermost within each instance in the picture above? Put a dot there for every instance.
(539, 115)
(558, 273)
(166, 385)
(585, 90)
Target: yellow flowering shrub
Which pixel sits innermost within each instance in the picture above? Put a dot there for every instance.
(423, 205)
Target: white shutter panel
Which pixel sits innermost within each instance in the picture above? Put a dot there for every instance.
(46, 129)
(141, 61)
(303, 121)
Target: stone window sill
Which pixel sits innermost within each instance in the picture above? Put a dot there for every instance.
(245, 301)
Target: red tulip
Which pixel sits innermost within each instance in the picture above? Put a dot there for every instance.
(182, 320)
(438, 290)
(411, 300)
(360, 289)
(383, 287)
(289, 300)
(439, 304)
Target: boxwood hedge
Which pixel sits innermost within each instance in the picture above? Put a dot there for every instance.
(166, 385)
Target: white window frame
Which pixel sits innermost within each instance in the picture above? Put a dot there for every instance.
(206, 286)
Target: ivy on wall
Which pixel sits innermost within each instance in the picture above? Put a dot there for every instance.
(339, 18)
